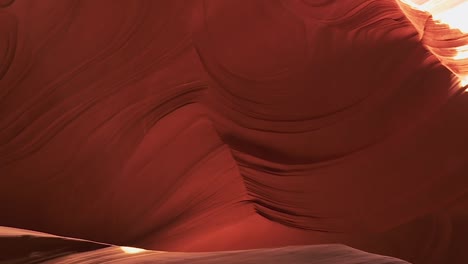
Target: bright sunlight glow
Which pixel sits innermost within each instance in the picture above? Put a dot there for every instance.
(453, 13)
(132, 250)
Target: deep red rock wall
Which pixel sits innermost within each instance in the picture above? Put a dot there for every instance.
(220, 125)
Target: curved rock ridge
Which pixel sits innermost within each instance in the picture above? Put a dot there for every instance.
(206, 125)
(315, 254)
(443, 27)
(24, 246)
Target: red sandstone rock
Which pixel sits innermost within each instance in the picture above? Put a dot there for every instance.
(228, 125)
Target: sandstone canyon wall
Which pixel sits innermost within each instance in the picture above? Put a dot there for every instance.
(232, 125)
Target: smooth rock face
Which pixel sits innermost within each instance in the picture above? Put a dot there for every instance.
(231, 125)
(316, 254)
(23, 246)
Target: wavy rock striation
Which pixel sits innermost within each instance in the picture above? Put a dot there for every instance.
(169, 125)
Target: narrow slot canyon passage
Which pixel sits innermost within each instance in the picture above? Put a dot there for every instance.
(226, 131)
